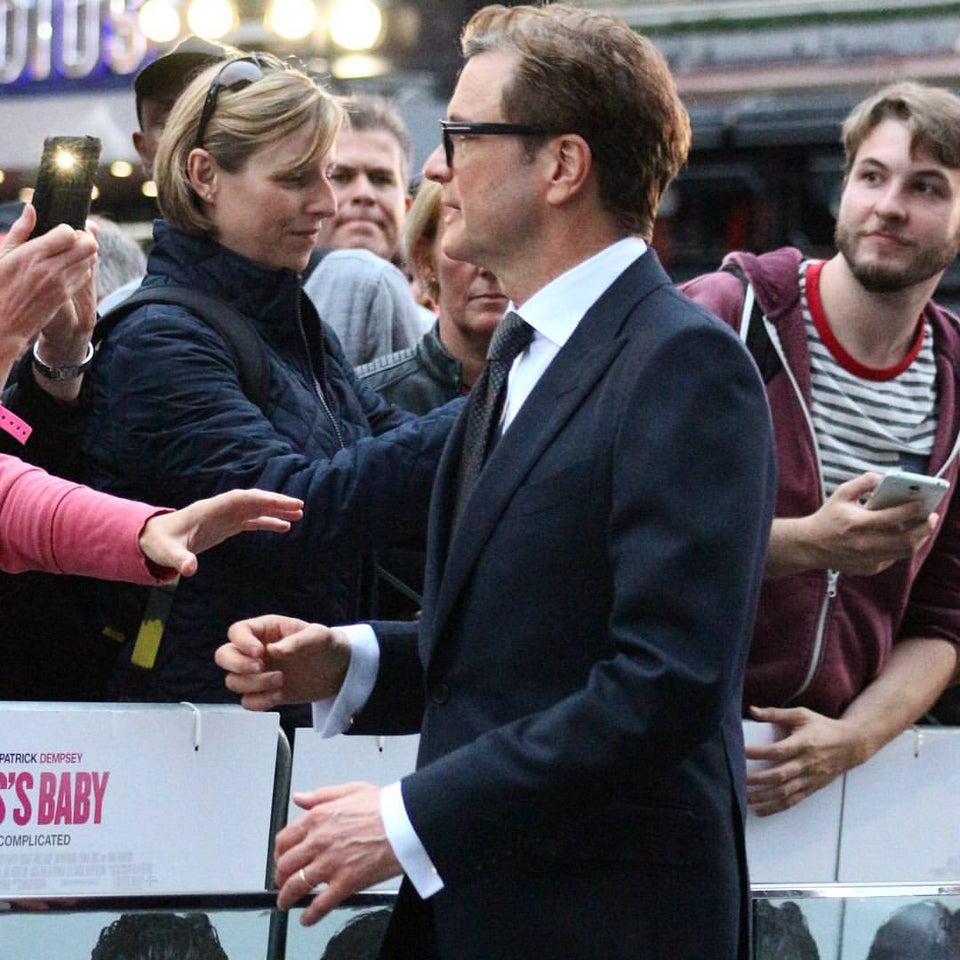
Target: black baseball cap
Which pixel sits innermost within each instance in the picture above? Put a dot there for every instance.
(174, 70)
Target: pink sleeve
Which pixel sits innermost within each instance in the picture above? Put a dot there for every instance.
(60, 527)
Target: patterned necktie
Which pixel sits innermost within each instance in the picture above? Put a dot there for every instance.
(512, 336)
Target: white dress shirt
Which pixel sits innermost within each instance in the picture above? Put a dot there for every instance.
(554, 312)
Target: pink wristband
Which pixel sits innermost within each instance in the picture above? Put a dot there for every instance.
(12, 424)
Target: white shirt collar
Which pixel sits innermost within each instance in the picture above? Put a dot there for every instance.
(555, 310)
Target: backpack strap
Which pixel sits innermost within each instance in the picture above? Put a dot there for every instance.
(236, 330)
(753, 328)
(253, 371)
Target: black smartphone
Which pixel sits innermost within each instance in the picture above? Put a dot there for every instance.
(64, 185)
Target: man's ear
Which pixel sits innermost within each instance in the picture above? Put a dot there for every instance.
(140, 145)
(571, 163)
(204, 174)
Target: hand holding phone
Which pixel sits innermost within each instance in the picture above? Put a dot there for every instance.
(64, 185)
(899, 486)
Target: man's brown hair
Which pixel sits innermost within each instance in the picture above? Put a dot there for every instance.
(588, 73)
(931, 114)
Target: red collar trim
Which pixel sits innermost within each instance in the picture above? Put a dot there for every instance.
(849, 363)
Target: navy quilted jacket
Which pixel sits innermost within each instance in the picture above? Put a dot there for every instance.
(169, 423)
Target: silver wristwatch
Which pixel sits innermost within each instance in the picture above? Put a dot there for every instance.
(62, 373)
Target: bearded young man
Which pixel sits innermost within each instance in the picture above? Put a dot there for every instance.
(858, 622)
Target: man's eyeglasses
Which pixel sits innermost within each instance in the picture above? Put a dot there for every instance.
(451, 128)
(235, 75)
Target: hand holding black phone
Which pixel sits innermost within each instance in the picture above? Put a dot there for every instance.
(62, 193)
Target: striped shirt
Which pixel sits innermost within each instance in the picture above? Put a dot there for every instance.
(866, 418)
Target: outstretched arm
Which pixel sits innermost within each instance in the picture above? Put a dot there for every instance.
(817, 749)
(51, 524)
(174, 539)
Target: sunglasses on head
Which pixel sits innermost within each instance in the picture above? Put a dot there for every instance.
(233, 75)
(451, 128)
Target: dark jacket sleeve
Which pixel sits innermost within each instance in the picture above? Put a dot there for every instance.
(932, 610)
(54, 442)
(170, 424)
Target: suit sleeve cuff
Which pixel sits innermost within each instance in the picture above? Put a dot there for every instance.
(406, 844)
(335, 714)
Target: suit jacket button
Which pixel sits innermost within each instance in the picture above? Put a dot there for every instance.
(440, 694)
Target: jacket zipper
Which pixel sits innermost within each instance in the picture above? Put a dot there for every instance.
(329, 413)
(321, 396)
(317, 385)
(832, 575)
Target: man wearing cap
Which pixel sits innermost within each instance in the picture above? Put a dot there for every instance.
(156, 89)
(160, 82)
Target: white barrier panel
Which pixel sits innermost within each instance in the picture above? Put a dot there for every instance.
(890, 820)
(799, 845)
(320, 762)
(126, 799)
(900, 815)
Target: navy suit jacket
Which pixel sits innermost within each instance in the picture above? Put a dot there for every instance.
(576, 672)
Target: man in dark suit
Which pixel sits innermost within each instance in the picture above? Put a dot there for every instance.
(576, 671)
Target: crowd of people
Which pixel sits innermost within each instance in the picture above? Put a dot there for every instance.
(646, 522)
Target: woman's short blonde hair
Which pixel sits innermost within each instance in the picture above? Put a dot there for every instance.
(244, 121)
(419, 235)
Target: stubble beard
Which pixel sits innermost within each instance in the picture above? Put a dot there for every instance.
(887, 278)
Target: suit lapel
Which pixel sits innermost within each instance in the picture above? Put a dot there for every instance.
(559, 393)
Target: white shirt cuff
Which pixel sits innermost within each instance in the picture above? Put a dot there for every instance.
(406, 844)
(335, 714)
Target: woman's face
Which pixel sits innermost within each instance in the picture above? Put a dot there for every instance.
(272, 210)
(470, 297)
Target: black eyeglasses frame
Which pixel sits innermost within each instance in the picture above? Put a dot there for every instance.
(249, 69)
(451, 128)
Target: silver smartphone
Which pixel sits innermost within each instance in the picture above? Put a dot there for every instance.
(899, 486)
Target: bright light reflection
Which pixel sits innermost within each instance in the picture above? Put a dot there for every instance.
(355, 24)
(211, 18)
(355, 65)
(65, 160)
(291, 19)
(121, 169)
(159, 21)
